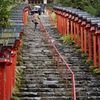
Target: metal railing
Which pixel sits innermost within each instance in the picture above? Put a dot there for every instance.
(61, 63)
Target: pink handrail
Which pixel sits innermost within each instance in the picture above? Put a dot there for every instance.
(57, 57)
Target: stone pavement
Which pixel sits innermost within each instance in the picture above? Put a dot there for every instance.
(87, 84)
(40, 79)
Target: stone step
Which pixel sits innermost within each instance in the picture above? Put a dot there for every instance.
(46, 98)
(35, 89)
(42, 81)
(87, 86)
(43, 94)
(45, 85)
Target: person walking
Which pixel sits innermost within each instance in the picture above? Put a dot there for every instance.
(35, 19)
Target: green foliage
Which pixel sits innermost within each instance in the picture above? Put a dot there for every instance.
(90, 9)
(89, 62)
(76, 46)
(66, 39)
(84, 55)
(80, 51)
(53, 15)
(96, 71)
(91, 6)
(5, 6)
(92, 67)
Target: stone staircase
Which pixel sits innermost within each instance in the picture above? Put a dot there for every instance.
(40, 78)
(87, 85)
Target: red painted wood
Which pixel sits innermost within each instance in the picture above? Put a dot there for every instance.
(2, 83)
(99, 51)
(89, 45)
(94, 50)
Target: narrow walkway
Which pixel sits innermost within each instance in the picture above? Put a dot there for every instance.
(87, 84)
(40, 79)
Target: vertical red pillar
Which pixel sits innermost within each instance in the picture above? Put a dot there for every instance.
(57, 20)
(14, 57)
(65, 23)
(71, 28)
(79, 34)
(25, 16)
(61, 24)
(89, 45)
(84, 40)
(8, 87)
(81, 37)
(74, 32)
(97, 36)
(2, 82)
(94, 49)
(99, 50)
(67, 26)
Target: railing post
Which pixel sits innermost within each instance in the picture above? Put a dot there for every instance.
(25, 16)
(75, 31)
(61, 22)
(97, 34)
(92, 30)
(99, 51)
(5, 82)
(2, 82)
(64, 22)
(14, 59)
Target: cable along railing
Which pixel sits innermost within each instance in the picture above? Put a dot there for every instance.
(62, 66)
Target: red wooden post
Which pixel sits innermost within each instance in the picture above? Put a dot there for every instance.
(13, 53)
(79, 33)
(91, 27)
(75, 31)
(5, 78)
(92, 30)
(57, 20)
(82, 32)
(94, 50)
(8, 81)
(58, 23)
(84, 41)
(67, 24)
(70, 26)
(64, 22)
(89, 45)
(97, 34)
(65, 30)
(76, 21)
(14, 57)
(2, 82)
(25, 16)
(61, 21)
(99, 51)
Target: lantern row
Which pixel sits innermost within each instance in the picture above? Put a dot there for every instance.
(10, 38)
(83, 28)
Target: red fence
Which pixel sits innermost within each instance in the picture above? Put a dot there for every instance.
(61, 63)
(8, 55)
(8, 58)
(83, 27)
